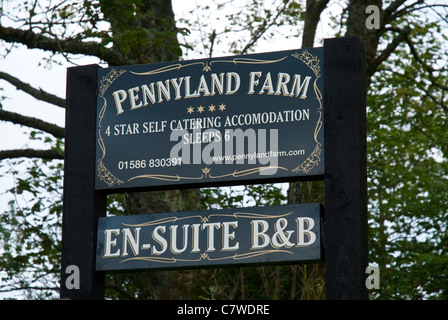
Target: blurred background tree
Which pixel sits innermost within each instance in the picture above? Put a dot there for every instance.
(406, 60)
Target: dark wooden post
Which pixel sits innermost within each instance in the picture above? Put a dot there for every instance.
(82, 204)
(346, 254)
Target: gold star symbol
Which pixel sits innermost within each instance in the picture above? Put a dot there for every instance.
(211, 108)
(222, 107)
(200, 109)
(190, 110)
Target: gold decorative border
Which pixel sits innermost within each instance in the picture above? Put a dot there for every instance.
(207, 65)
(236, 215)
(315, 157)
(108, 79)
(106, 176)
(246, 215)
(205, 255)
(165, 177)
(170, 67)
(311, 61)
(205, 175)
(103, 173)
(312, 161)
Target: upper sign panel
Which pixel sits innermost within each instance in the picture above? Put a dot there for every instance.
(217, 121)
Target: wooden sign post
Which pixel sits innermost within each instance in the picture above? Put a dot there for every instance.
(346, 252)
(329, 131)
(83, 205)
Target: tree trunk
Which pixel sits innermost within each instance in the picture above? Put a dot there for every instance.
(161, 45)
(312, 16)
(356, 26)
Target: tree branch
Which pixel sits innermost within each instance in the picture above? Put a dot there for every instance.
(37, 41)
(389, 11)
(31, 153)
(414, 7)
(264, 27)
(39, 94)
(312, 15)
(16, 118)
(425, 90)
(430, 69)
(388, 50)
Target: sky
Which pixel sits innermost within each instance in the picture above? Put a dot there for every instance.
(29, 66)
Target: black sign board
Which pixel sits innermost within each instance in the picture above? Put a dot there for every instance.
(211, 122)
(284, 234)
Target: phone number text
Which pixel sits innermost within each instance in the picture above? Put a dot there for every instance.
(151, 163)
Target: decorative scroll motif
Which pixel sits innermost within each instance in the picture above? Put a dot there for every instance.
(205, 256)
(106, 176)
(311, 61)
(315, 157)
(237, 215)
(103, 173)
(205, 175)
(172, 67)
(312, 161)
(207, 66)
(108, 79)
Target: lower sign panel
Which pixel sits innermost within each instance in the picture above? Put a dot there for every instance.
(258, 235)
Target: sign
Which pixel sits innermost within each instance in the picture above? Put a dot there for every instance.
(242, 119)
(257, 235)
(276, 235)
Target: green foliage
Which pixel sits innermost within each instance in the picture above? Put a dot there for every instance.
(30, 231)
(243, 196)
(236, 27)
(407, 168)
